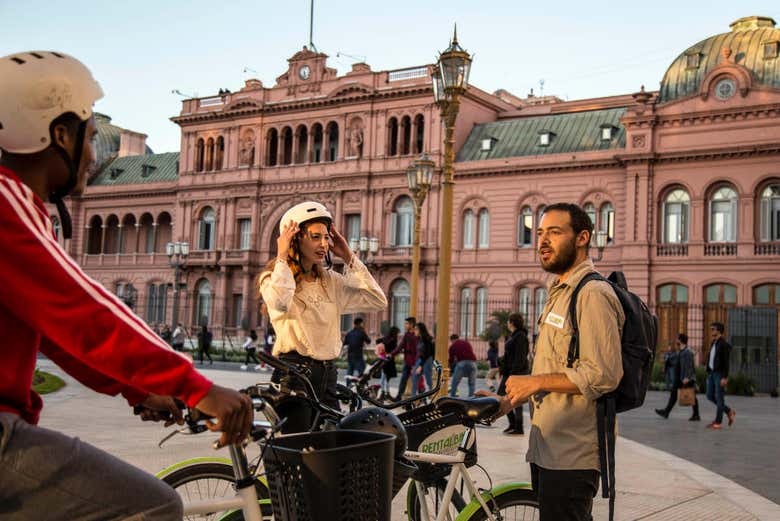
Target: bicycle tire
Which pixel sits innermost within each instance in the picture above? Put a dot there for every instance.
(413, 505)
(191, 481)
(518, 504)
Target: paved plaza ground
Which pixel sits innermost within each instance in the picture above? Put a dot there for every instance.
(666, 470)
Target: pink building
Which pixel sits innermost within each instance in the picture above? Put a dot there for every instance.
(684, 181)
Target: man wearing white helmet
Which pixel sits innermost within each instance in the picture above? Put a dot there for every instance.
(48, 304)
(305, 300)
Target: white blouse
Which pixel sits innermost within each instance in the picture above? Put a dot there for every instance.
(307, 319)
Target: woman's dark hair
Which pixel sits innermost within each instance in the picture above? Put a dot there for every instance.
(516, 319)
(423, 332)
(682, 337)
(393, 332)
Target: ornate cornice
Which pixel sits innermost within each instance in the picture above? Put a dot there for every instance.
(721, 116)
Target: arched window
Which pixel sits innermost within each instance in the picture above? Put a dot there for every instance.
(156, 301)
(203, 303)
(524, 304)
(419, 133)
(94, 244)
(770, 213)
(481, 319)
(723, 215)
(317, 139)
(210, 154)
(525, 228)
(148, 233)
(220, 153)
(164, 231)
(676, 209)
(55, 225)
(272, 147)
(112, 235)
(766, 295)
(392, 137)
(484, 228)
(607, 222)
(672, 312)
(302, 135)
(206, 229)
(465, 313)
(199, 155)
(127, 234)
(468, 230)
(287, 145)
(399, 303)
(333, 141)
(591, 211)
(406, 135)
(402, 222)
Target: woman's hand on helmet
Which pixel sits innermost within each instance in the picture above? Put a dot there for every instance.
(285, 239)
(340, 246)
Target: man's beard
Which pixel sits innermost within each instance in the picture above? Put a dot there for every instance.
(562, 260)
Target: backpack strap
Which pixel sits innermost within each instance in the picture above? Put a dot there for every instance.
(606, 413)
(574, 345)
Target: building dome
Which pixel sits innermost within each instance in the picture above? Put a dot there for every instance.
(107, 141)
(754, 44)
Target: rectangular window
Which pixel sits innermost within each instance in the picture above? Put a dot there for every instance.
(544, 139)
(771, 50)
(692, 60)
(465, 313)
(606, 133)
(352, 227)
(245, 233)
(722, 226)
(238, 305)
(524, 304)
(526, 230)
(484, 229)
(481, 310)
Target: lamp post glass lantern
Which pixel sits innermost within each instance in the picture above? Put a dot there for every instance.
(451, 81)
(419, 176)
(177, 258)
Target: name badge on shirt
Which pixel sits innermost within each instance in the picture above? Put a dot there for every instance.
(554, 320)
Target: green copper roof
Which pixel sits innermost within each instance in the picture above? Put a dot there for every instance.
(572, 132)
(152, 168)
(107, 142)
(746, 40)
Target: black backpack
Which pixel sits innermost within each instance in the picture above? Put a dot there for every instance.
(637, 346)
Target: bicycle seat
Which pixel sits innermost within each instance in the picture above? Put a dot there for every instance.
(476, 409)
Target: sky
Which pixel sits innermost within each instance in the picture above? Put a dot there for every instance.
(141, 51)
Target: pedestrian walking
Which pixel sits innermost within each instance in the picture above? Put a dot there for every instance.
(389, 371)
(423, 367)
(670, 365)
(250, 346)
(563, 443)
(166, 334)
(306, 300)
(179, 336)
(717, 376)
(204, 343)
(493, 374)
(514, 362)
(685, 378)
(356, 340)
(463, 362)
(407, 346)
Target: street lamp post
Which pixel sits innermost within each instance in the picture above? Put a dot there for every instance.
(419, 176)
(177, 257)
(601, 243)
(450, 82)
(365, 248)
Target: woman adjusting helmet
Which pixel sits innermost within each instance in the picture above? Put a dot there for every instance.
(41, 89)
(305, 300)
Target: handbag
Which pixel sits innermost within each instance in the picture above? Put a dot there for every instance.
(686, 396)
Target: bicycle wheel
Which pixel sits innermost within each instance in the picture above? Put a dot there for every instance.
(519, 504)
(213, 480)
(433, 501)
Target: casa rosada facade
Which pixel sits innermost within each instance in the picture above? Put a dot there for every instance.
(684, 181)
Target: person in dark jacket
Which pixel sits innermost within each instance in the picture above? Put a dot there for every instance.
(515, 363)
(685, 376)
(424, 364)
(204, 343)
(407, 346)
(389, 370)
(355, 341)
(494, 371)
(717, 376)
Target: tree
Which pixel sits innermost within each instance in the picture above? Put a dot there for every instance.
(497, 325)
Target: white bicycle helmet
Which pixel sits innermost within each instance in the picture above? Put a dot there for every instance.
(300, 213)
(37, 87)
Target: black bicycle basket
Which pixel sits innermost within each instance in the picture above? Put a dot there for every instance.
(420, 424)
(323, 476)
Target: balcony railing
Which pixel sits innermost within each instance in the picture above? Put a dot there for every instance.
(767, 248)
(407, 74)
(672, 250)
(720, 249)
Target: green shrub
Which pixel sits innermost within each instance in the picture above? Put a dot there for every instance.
(701, 379)
(658, 376)
(44, 383)
(741, 384)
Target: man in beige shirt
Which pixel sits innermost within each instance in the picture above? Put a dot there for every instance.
(563, 445)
